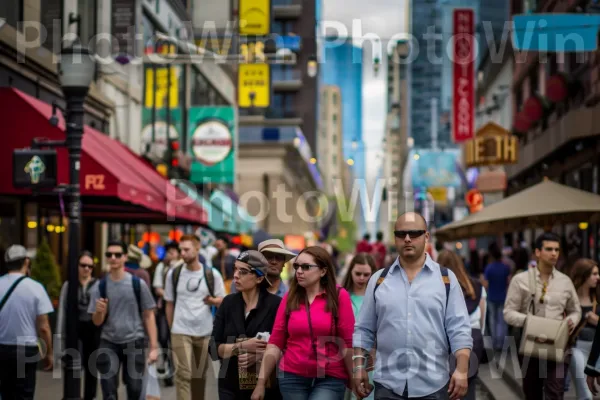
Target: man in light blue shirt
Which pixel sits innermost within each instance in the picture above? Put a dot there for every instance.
(414, 323)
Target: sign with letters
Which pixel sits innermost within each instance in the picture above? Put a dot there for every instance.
(94, 182)
(493, 145)
(463, 74)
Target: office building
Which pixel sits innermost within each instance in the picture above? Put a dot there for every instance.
(330, 157)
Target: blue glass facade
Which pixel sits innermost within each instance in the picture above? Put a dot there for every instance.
(342, 66)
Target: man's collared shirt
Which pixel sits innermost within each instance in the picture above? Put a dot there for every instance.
(412, 327)
(560, 297)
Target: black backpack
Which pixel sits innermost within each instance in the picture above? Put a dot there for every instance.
(210, 283)
(135, 281)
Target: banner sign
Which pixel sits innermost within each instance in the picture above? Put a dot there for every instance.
(435, 168)
(463, 74)
(123, 27)
(211, 135)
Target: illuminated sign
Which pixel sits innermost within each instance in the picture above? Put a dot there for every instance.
(34, 168)
(255, 17)
(463, 74)
(95, 182)
(493, 145)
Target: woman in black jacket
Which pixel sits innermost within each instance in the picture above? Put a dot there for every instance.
(242, 328)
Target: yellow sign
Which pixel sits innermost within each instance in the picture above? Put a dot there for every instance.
(253, 52)
(254, 85)
(255, 17)
(493, 145)
(439, 194)
(161, 87)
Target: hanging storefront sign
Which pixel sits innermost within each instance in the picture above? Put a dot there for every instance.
(255, 17)
(434, 168)
(254, 85)
(212, 144)
(474, 200)
(463, 67)
(123, 24)
(34, 168)
(153, 141)
(157, 89)
(493, 145)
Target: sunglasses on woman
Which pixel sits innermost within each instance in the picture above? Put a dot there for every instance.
(304, 267)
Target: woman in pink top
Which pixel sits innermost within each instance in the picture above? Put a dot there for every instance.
(313, 331)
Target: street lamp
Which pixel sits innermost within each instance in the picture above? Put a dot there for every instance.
(312, 66)
(76, 72)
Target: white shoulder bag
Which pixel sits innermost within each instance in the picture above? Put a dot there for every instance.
(543, 338)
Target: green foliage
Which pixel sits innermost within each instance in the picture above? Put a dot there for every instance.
(45, 270)
(346, 234)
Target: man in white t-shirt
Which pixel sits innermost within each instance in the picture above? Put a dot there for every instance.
(189, 312)
(25, 303)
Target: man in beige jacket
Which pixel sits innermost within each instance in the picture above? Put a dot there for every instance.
(555, 297)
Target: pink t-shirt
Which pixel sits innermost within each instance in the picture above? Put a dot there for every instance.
(296, 344)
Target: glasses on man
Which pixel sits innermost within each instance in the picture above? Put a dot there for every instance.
(110, 254)
(413, 234)
(304, 267)
(274, 256)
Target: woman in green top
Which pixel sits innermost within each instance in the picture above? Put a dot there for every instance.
(359, 272)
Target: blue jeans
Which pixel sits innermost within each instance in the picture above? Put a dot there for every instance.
(498, 326)
(296, 387)
(580, 353)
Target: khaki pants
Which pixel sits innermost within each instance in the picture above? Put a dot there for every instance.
(191, 364)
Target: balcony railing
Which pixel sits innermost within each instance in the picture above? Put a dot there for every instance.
(286, 74)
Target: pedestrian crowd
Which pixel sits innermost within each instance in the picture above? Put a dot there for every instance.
(409, 327)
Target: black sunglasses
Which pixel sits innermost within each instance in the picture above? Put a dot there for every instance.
(411, 234)
(108, 254)
(89, 266)
(304, 267)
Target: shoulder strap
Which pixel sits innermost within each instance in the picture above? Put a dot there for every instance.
(532, 288)
(10, 291)
(137, 290)
(175, 281)
(446, 280)
(210, 280)
(594, 306)
(380, 280)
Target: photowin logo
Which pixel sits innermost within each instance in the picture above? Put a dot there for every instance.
(556, 32)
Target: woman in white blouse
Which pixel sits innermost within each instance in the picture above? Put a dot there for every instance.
(475, 298)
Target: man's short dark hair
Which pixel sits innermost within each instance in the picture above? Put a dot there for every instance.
(367, 236)
(546, 237)
(15, 265)
(172, 245)
(119, 243)
(379, 236)
(494, 251)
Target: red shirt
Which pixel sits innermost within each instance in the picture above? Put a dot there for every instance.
(296, 344)
(364, 247)
(379, 252)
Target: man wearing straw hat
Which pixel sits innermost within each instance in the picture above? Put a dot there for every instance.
(277, 255)
(137, 263)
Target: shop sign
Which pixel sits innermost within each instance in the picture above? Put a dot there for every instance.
(491, 181)
(474, 200)
(493, 145)
(211, 139)
(34, 168)
(254, 83)
(255, 17)
(463, 74)
(94, 182)
(439, 194)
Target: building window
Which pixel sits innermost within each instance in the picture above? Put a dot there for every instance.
(334, 118)
(200, 89)
(11, 11)
(334, 159)
(334, 139)
(282, 27)
(334, 98)
(283, 101)
(89, 21)
(51, 12)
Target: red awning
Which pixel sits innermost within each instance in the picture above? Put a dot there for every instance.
(108, 168)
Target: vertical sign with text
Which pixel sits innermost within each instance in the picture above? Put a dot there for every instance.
(463, 74)
(123, 27)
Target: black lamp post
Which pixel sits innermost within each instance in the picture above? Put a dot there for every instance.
(76, 72)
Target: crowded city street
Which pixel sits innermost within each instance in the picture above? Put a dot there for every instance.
(299, 200)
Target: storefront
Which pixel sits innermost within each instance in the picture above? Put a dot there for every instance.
(116, 185)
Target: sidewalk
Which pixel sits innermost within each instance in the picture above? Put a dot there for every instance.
(49, 388)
